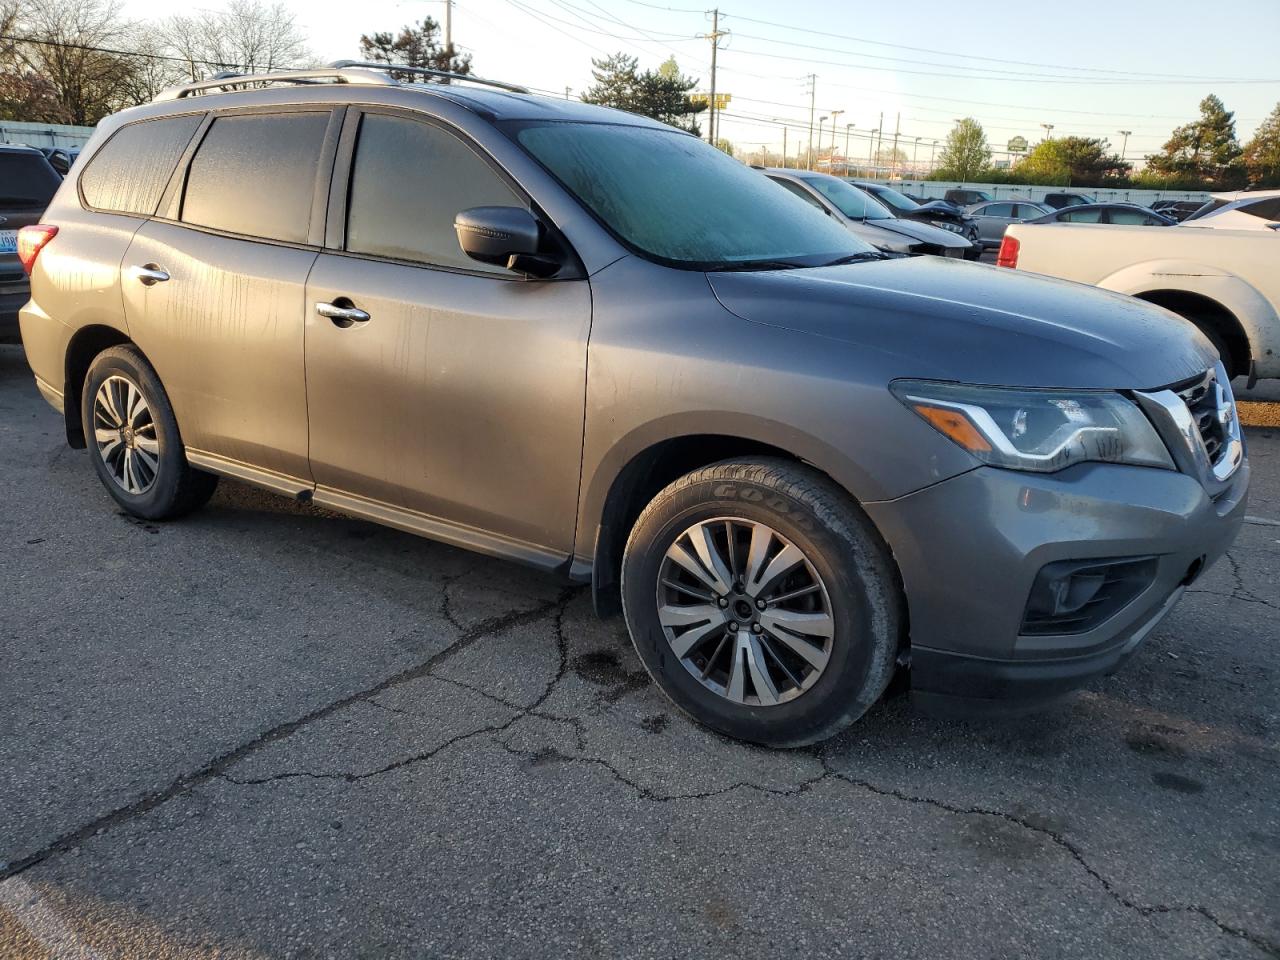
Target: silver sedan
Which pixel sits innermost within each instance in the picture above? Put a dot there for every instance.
(994, 216)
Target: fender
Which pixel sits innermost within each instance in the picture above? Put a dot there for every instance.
(1256, 315)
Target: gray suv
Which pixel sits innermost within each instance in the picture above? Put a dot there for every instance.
(589, 342)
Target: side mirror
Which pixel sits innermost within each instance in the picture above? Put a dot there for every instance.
(508, 237)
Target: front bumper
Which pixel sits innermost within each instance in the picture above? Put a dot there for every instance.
(969, 549)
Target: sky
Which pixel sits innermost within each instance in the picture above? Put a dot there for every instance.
(1089, 68)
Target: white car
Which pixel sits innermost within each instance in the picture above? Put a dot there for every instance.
(1225, 280)
(1241, 210)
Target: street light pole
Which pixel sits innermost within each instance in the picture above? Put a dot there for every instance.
(915, 171)
(834, 115)
(1048, 130)
(848, 127)
(821, 120)
(1125, 145)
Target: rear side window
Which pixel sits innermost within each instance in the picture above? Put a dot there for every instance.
(1267, 209)
(130, 172)
(26, 180)
(256, 175)
(1092, 216)
(1028, 211)
(409, 181)
(997, 210)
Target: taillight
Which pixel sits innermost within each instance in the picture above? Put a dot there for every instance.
(1008, 255)
(31, 240)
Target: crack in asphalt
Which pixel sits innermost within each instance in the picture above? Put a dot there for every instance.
(214, 768)
(562, 649)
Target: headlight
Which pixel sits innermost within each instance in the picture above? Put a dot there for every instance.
(946, 225)
(1040, 430)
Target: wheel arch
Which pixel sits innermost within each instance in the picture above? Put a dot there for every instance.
(1199, 308)
(85, 344)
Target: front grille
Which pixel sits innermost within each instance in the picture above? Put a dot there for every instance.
(1208, 405)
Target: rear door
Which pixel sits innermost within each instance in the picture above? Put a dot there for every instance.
(214, 288)
(993, 219)
(456, 408)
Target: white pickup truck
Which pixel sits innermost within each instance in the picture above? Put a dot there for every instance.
(1225, 281)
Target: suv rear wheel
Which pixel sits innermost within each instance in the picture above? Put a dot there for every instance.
(762, 601)
(133, 439)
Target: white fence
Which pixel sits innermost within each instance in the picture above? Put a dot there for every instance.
(44, 134)
(1008, 191)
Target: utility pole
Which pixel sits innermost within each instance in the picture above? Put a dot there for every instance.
(1125, 145)
(813, 91)
(714, 36)
(831, 167)
(896, 124)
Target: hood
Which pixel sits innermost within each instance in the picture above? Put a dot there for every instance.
(940, 319)
(922, 232)
(940, 208)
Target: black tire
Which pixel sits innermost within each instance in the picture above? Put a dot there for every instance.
(175, 488)
(1219, 343)
(844, 549)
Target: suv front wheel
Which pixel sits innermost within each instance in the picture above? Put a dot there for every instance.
(762, 602)
(133, 439)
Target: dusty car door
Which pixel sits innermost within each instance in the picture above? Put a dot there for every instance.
(214, 289)
(451, 402)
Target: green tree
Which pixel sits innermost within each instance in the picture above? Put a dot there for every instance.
(966, 154)
(1205, 150)
(662, 94)
(416, 45)
(1262, 153)
(1072, 161)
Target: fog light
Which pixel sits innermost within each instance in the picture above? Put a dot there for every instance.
(1076, 596)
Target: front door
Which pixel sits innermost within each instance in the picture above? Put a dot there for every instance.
(456, 408)
(216, 297)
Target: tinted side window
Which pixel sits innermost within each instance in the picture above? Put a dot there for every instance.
(1129, 217)
(1028, 211)
(409, 181)
(1089, 216)
(26, 180)
(256, 175)
(1268, 209)
(130, 172)
(997, 210)
(800, 192)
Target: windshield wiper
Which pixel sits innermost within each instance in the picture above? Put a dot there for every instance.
(857, 258)
(741, 265)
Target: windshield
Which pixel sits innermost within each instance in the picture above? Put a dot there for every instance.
(848, 199)
(892, 198)
(672, 197)
(26, 180)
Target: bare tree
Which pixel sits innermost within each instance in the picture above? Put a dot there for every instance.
(248, 37)
(72, 46)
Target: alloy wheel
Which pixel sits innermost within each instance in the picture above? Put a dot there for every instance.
(125, 435)
(745, 611)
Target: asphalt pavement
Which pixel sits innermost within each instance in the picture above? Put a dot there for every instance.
(270, 731)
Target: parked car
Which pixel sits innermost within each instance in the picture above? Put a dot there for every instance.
(993, 218)
(1241, 210)
(1224, 281)
(867, 217)
(937, 213)
(1061, 200)
(966, 198)
(27, 184)
(59, 158)
(1177, 209)
(1126, 213)
(588, 341)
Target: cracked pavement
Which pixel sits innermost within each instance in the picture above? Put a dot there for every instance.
(269, 731)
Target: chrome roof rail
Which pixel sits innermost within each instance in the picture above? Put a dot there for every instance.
(390, 68)
(229, 81)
